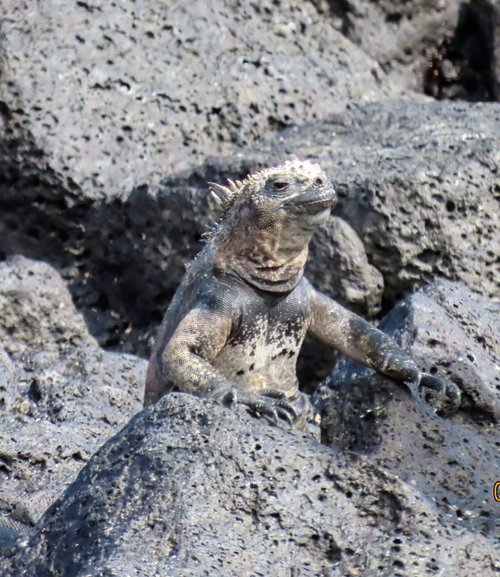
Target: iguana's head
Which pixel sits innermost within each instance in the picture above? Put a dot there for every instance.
(269, 219)
(294, 190)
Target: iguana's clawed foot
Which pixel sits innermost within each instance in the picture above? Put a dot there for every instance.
(400, 366)
(448, 391)
(269, 403)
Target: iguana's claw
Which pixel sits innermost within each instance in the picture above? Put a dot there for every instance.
(400, 366)
(269, 403)
(444, 387)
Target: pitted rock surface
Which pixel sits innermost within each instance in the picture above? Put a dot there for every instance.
(158, 87)
(36, 309)
(56, 409)
(452, 458)
(457, 334)
(191, 489)
(447, 49)
(338, 266)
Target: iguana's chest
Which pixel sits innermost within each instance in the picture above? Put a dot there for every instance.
(262, 349)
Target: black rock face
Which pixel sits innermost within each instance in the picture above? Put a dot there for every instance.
(466, 65)
(36, 309)
(448, 50)
(190, 488)
(158, 87)
(57, 408)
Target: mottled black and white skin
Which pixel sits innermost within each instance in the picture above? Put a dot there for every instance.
(236, 324)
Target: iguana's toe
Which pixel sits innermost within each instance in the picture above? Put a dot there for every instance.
(269, 406)
(445, 388)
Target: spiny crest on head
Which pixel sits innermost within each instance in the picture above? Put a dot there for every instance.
(226, 195)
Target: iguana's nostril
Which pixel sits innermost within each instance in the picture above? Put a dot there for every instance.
(319, 181)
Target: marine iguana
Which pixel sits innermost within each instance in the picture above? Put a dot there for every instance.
(236, 324)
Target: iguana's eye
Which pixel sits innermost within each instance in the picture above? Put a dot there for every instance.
(280, 184)
(318, 181)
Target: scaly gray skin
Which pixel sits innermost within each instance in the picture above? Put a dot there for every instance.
(236, 324)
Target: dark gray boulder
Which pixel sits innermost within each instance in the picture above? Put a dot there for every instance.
(157, 88)
(60, 396)
(56, 409)
(455, 333)
(451, 458)
(338, 266)
(190, 488)
(447, 49)
(36, 309)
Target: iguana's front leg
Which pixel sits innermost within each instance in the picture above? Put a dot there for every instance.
(187, 360)
(336, 326)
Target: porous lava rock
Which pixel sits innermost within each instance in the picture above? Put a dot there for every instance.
(158, 87)
(449, 457)
(191, 488)
(56, 409)
(338, 266)
(445, 48)
(36, 309)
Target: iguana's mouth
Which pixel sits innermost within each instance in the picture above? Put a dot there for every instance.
(312, 205)
(326, 200)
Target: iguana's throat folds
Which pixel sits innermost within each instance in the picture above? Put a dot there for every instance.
(271, 258)
(276, 275)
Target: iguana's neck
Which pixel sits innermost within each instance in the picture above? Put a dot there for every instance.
(270, 258)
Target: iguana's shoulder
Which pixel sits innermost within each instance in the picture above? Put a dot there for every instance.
(218, 290)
